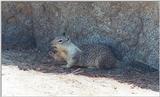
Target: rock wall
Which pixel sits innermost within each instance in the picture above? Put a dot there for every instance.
(17, 25)
(131, 29)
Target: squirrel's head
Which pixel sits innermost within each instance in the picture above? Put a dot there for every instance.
(58, 45)
(60, 40)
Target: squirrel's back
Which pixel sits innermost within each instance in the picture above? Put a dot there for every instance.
(97, 55)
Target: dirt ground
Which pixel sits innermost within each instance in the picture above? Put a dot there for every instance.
(26, 73)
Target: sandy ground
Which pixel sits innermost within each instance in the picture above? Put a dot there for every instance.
(49, 80)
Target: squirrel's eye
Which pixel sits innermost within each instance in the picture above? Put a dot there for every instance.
(59, 40)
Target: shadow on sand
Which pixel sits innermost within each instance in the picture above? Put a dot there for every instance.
(32, 59)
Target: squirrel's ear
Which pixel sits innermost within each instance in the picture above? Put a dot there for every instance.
(64, 34)
(68, 37)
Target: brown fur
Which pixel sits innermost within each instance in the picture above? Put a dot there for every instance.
(92, 55)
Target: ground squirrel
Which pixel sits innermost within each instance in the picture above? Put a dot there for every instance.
(87, 55)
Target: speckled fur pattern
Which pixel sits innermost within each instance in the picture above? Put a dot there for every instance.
(87, 55)
(97, 55)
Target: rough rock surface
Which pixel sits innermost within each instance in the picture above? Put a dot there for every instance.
(129, 28)
(17, 25)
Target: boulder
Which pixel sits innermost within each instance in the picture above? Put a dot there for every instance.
(131, 29)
